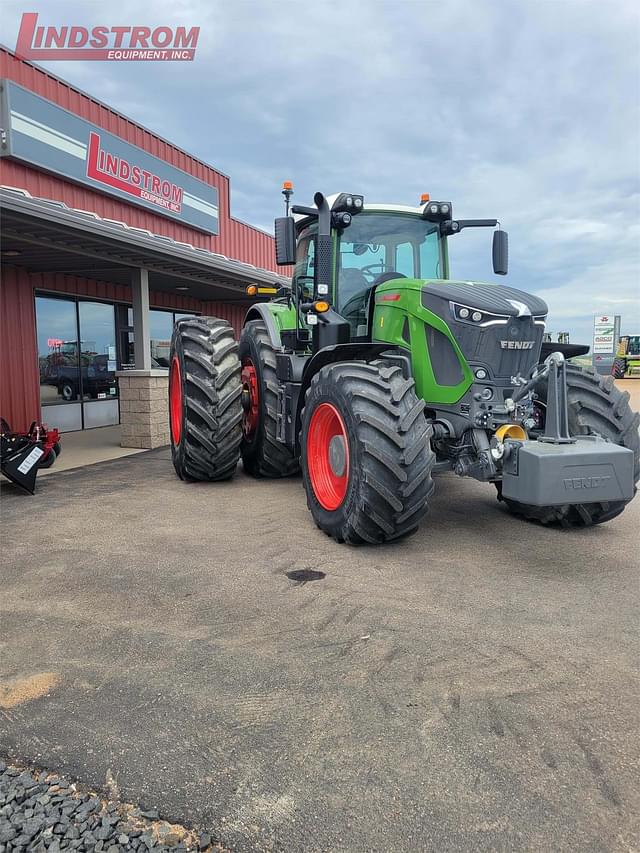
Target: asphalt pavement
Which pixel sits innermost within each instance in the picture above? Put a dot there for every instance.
(211, 653)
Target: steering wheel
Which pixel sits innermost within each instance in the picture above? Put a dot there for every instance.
(368, 270)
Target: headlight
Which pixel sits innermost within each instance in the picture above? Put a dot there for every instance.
(341, 220)
(468, 314)
(437, 210)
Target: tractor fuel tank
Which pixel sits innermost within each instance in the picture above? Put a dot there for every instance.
(590, 470)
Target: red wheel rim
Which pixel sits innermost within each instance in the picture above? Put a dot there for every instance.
(175, 401)
(328, 456)
(250, 399)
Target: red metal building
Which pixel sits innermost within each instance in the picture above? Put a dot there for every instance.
(89, 197)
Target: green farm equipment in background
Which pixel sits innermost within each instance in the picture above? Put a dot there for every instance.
(627, 361)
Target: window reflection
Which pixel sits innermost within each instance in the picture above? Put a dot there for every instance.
(57, 351)
(97, 350)
(160, 328)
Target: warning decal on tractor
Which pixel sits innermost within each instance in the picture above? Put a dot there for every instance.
(28, 463)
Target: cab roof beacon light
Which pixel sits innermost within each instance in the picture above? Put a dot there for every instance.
(287, 192)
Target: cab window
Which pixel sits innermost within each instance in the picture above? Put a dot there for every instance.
(377, 247)
(305, 265)
(404, 260)
(430, 263)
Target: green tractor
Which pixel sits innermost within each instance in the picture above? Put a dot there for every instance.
(626, 364)
(374, 370)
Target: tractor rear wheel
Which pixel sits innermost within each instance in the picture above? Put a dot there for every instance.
(204, 399)
(595, 407)
(262, 454)
(366, 452)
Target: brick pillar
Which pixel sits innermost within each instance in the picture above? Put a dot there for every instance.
(144, 408)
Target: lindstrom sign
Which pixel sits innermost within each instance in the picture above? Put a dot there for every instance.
(40, 132)
(117, 173)
(39, 42)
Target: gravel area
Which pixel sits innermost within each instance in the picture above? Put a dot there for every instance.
(41, 811)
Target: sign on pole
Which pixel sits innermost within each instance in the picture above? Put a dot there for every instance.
(606, 332)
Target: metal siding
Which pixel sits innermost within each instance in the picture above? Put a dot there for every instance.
(78, 286)
(19, 379)
(234, 313)
(236, 239)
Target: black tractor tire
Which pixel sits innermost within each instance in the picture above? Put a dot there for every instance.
(595, 407)
(262, 454)
(619, 369)
(58, 448)
(386, 479)
(48, 459)
(205, 412)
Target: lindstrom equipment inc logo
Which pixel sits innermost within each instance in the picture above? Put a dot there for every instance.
(115, 44)
(116, 172)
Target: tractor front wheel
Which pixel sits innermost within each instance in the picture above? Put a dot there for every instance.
(366, 452)
(204, 399)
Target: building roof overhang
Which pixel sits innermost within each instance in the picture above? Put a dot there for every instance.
(46, 236)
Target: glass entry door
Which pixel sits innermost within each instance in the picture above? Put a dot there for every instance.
(77, 363)
(98, 364)
(58, 362)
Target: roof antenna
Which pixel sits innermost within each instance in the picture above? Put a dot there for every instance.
(287, 192)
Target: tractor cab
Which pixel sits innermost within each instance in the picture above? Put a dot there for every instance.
(363, 247)
(379, 245)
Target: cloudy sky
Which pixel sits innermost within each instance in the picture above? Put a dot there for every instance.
(526, 110)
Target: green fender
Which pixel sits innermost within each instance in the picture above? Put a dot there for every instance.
(277, 317)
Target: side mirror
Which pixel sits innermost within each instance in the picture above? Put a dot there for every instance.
(500, 252)
(285, 228)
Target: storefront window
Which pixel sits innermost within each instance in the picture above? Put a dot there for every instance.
(77, 362)
(160, 330)
(97, 350)
(57, 351)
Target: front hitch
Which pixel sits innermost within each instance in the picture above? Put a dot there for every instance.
(556, 426)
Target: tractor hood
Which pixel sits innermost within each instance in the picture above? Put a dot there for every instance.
(496, 327)
(494, 299)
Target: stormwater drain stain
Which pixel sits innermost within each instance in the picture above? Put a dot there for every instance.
(302, 576)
